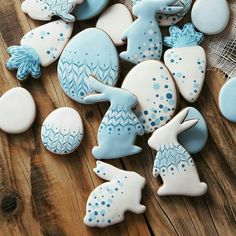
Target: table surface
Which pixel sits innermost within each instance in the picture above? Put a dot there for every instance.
(43, 194)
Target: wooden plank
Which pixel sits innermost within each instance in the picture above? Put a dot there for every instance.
(43, 194)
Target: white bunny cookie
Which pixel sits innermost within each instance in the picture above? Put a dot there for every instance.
(108, 202)
(173, 163)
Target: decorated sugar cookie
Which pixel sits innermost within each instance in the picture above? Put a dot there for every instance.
(154, 87)
(143, 36)
(186, 60)
(45, 9)
(90, 8)
(194, 139)
(210, 16)
(40, 46)
(227, 100)
(114, 21)
(120, 126)
(62, 131)
(17, 111)
(108, 202)
(91, 52)
(167, 20)
(173, 163)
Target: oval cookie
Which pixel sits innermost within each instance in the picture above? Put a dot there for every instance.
(154, 87)
(62, 131)
(17, 111)
(90, 8)
(195, 138)
(227, 100)
(121, 19)
(91, 52)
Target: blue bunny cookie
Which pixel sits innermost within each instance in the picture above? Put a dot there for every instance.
(120, 126)
(90, 52)
(108, 202)
(144, 37)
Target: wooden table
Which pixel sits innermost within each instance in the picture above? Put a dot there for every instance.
(43, 194)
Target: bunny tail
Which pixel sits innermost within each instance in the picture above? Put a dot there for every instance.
(25, 60)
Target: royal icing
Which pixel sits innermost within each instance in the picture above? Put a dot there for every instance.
(120, 126)
(167, 20)
(90, 8)
(91, 52)
(40, 46)
(108, 202)
(157, 97)
(210, 16)
(227, 100)
(45, 9)
(173, 163)
(121, 19)
(186, 60)
(62, 131)
(144, 37)
(17, 111)
(195, 138)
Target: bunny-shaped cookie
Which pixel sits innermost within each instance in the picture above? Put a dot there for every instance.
(119, 127)
(173, 163)
(108, 202)
(144, 36)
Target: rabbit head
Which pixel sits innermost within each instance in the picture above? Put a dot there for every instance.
(168, 133)
(106, 93)
(152, 7)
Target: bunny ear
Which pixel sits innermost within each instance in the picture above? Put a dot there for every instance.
(180, 117)
(93, 98)
(188, 124)
(96, 85)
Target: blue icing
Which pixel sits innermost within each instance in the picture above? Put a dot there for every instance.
(90, 8)
(186, 37)
(227, 100)
(119, 127)
(194, 139)
(25, 60)
(89, 52)
(144, 36)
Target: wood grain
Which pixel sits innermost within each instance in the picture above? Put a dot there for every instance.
(43, 194)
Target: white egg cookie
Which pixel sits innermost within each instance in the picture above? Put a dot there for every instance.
(17, 111)
(62, 131)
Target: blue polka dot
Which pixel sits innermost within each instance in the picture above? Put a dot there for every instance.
(169, 95)
(145, 112)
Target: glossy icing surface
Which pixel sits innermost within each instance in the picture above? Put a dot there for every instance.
(108, 202)
(195, 138)
(119, 126)
(167, 20)
(210, 16)
(45, 9)
(173, 163)
(62, 131)
(42, 45)
(17, 111)
(90, 8)
(114, 21)
(227, 100)
(89, 52)
(157, 97)
(144, 38)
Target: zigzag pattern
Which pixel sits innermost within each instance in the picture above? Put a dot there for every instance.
(171, 156)
(60, 142)
(63, 7)
(73, 76)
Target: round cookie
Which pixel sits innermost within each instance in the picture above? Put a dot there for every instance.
(227, 100)
(62, 131)
(90, 52)
(210, 16)
(121, 19)
(17, 111)
(155, 89)
(195, 138)
(89, 9)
